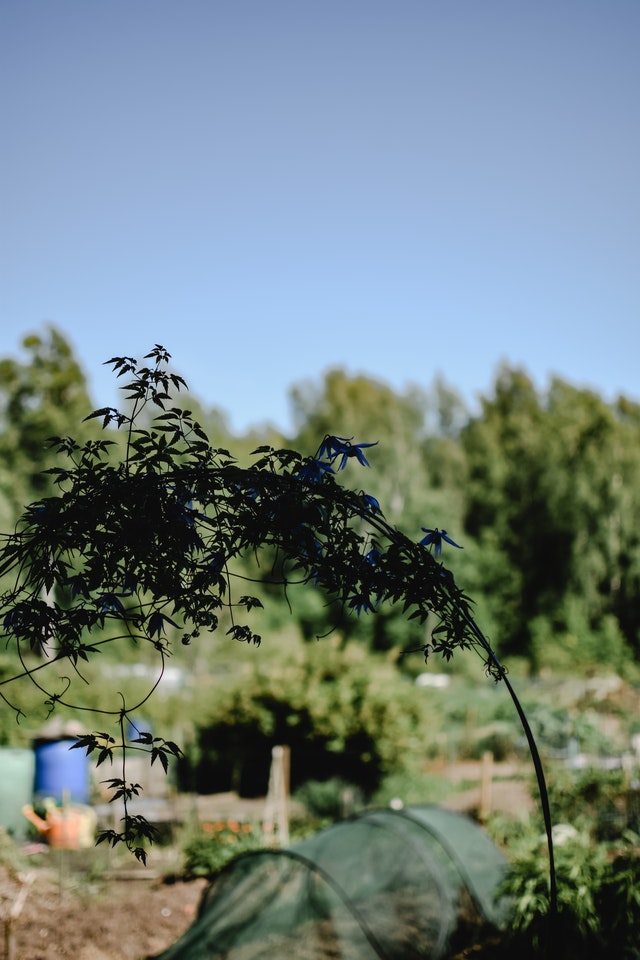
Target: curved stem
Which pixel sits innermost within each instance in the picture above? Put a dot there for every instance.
(385, 528)
(533, 750)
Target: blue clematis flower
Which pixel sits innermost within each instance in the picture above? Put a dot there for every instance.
(435, 538)
(109, 603)
(371, 503)
(355, 450)
(334, 447)
(314, 470)
(129, 584)
(11, 621)
(361, 604)
(373, 556)
(216, 561)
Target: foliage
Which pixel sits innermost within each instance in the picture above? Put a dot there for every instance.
(592, 800)
(553, 501)
(598, 904)
(415, 464)
(40, 397)
(597, 860)
(555, 727)
(328, 800)
(409, 789)
(216, 843)
(342, 711)
(547, 481)
(149, 544)
(362, 406)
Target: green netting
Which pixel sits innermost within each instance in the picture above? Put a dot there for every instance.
(398, 885)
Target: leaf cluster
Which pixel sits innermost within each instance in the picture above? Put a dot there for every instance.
(598, 905)
(148, 546)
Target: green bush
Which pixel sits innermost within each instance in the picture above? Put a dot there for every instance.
(215, 844)
(331, 799)
(500, 739)
(410, 788)
(618, 901)
(344, 713)
(591, 799)
(598, 901)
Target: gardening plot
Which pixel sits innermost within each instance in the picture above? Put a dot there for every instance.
(408, 884)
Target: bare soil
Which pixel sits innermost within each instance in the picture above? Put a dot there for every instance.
(117, 919)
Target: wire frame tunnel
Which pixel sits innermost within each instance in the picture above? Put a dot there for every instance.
(408, 884)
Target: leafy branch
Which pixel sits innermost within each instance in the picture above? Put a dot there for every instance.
(148, 545)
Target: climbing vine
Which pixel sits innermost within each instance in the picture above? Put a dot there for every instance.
(142, 539)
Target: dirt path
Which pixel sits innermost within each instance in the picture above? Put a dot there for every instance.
(508, 790)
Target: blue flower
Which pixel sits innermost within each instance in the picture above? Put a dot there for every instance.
(216, 561)
(314, 470)
(436, 537)
(109, 603)
(333, 447)
(361, 604)
(370, 503)
(129, 584)
(156, 624)
(355, 450)
(11, 621)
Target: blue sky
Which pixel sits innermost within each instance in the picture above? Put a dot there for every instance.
(270, 188)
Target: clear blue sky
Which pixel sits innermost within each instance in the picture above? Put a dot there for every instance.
(273, 187)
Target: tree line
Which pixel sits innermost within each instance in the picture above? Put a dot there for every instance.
(540, 487)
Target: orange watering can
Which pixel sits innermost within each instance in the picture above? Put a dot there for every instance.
(67, 828)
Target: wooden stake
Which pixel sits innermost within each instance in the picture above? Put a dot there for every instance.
(485, 786)
(276, 813)
(14, 913)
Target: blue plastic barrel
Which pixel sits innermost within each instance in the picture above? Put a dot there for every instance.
(60, 772)
(17, 767)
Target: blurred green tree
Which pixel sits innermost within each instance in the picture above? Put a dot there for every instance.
(553, 500)
(360, 406)
(418, 469)
(43, 396)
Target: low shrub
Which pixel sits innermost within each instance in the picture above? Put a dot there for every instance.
(598, 901)
(215, 844)
(332, 799)
(344, 714)
(590, 799)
